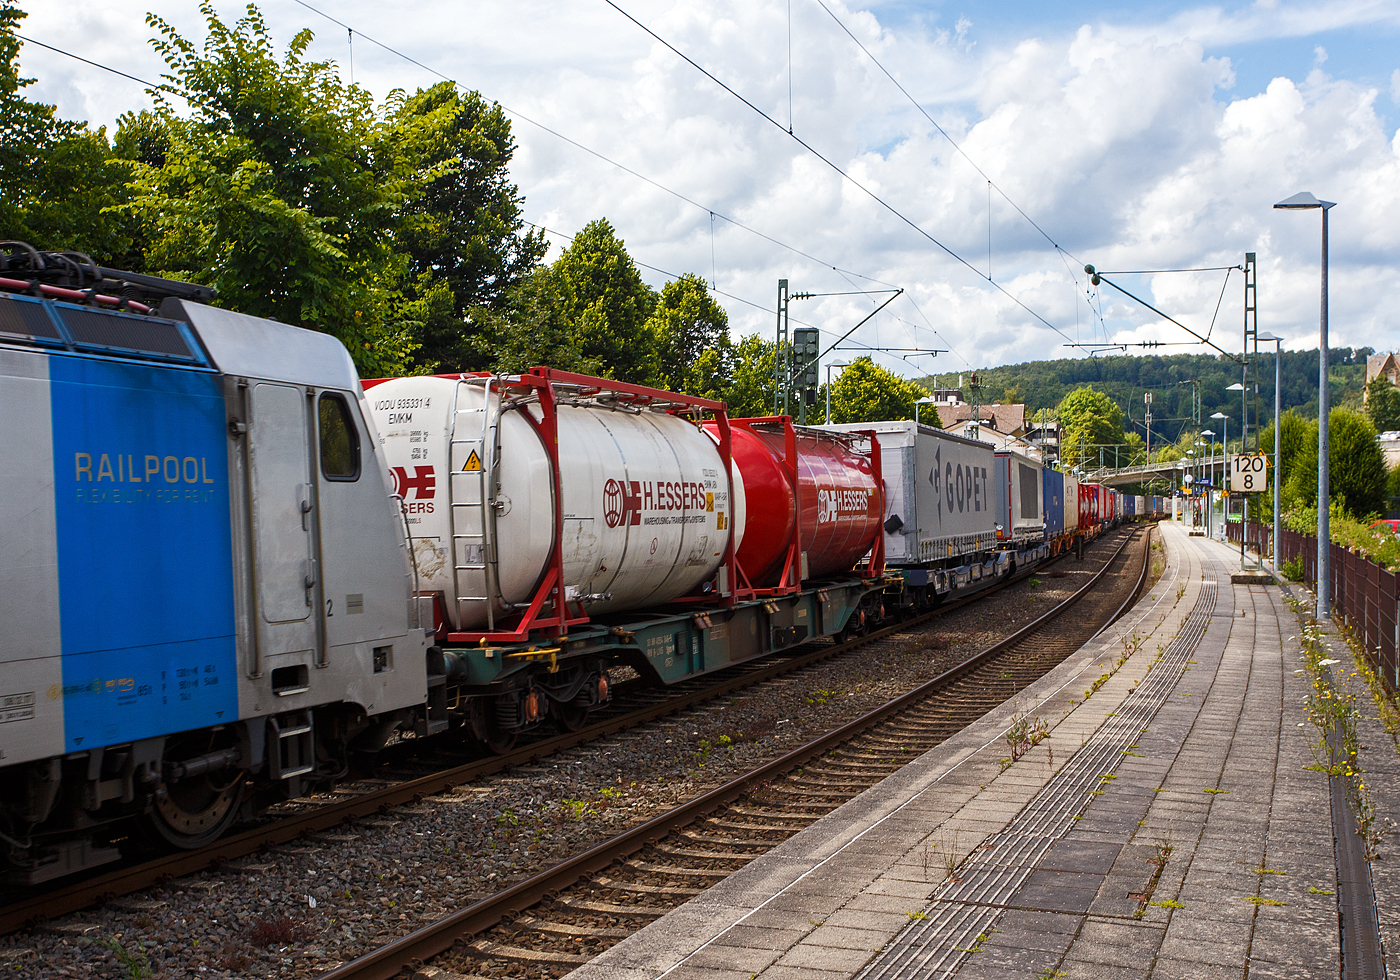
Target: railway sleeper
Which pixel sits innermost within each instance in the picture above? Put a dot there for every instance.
(486, 949)
(569, 928)
(641, 888)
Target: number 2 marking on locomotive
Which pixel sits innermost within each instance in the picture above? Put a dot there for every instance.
(330, 606)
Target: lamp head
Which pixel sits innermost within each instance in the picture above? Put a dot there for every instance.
(1267, 337)
(1207, 432)
(1235, 387)
(1303, 201)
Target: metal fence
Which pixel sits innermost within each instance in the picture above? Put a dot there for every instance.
(1363, 595)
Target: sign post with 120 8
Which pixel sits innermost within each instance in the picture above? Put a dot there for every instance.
(1249, 474)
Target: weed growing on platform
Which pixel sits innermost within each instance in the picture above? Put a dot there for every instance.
(1050, 973)
(1334, 712)
(949, 850)
(1387, 705)
(1026, 732)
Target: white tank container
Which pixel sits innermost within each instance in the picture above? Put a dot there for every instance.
(646, 503)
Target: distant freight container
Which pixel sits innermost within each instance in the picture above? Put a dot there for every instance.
(1130, 505)
(1054, 500)
(938, 492)
(1089, 503)
(1071, 503)
(1019, 513)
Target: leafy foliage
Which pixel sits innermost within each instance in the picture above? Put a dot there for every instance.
(462, 229)
(1383, 404)
(605, 304)
(1091, 422)
(58, 180)
(1356, 466)
(1172, 379)
(866, 392)
(688, 324)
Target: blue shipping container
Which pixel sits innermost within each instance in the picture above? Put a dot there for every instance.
(1054, 503)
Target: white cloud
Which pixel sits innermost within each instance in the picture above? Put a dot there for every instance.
(1121, 142)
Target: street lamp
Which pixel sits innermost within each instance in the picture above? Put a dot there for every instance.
(921, 401)
(1224, 451)
(1278, 434)
(1304, 201)
(1210, 481)
(842, 364)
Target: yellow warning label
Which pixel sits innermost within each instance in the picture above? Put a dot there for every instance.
(473, 463)
(719, 521)
(710, 502)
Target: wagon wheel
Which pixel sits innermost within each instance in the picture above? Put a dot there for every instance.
(500, 742)
(570, 716)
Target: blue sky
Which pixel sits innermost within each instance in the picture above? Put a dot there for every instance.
(1141, 136)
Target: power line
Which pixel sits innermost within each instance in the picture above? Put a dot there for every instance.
(944, 133)
(76, 57)
(843, 272)
(833, 166)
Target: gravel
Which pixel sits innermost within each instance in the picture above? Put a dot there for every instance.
(303, 908)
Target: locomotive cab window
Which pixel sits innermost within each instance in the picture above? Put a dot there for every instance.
(340, 443)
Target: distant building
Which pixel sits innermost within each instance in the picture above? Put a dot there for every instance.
(1390, 446)
(1006, 420)
(1386, 364)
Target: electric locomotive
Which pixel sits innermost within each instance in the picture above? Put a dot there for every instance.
(205, 592)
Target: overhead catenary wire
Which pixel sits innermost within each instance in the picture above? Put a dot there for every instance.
(642, 177)
(168, 89)
(838, 169)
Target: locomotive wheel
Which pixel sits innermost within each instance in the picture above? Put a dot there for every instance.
(193, 812)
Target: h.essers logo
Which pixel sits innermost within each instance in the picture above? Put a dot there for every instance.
(624, 501)
(833, 503)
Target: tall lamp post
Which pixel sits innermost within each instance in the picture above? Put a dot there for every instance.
(1304, 201)
(1278, 434)
(1210, 483)
(921, 401)
(1224, 452)
(828, 390)
(1244, 448)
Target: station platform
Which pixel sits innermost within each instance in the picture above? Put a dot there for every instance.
(1168, 825)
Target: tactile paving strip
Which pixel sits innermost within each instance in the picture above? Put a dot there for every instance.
(966, 907)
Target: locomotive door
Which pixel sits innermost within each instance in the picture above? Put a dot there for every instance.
(286, 583)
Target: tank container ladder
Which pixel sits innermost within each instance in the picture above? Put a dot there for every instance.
(475, 431)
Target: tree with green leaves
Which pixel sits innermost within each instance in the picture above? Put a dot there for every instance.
(282, 188)
(866, 392)
(59, 182)
(1091, 420)
(1356, 474)
(687, 324)
(606, 304)
(1383, 404)
(749, 388)
(462, 229)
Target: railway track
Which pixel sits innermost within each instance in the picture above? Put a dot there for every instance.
(552, 922)
(406, 783)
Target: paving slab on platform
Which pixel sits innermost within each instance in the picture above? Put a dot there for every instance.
(1167, 827)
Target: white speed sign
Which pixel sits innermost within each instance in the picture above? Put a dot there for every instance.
(1249, 474)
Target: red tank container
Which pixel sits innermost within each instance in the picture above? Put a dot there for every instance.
(1089, 509)
(838, 502)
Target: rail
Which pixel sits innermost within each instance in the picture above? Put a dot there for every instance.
(431, 940)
